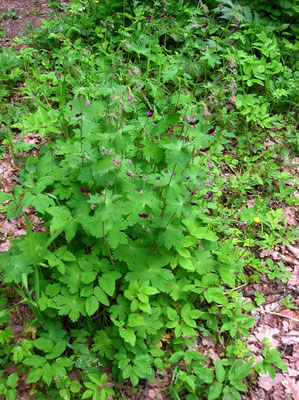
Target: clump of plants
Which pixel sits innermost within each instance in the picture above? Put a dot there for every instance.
(155, 118)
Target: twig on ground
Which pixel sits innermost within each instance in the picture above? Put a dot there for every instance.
(262, 311)
(276, 299)
(241, 286)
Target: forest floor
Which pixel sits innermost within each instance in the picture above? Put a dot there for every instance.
(274, 321)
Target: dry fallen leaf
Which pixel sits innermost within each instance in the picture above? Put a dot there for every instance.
(292, 387)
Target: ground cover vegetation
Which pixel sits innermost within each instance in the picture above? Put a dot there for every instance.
(165, 124)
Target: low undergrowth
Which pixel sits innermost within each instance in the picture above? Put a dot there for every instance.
(166, 125)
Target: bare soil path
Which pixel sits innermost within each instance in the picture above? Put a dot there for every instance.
(14, 14)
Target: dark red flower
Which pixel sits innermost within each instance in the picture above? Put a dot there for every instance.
(192, 121)
(205, 25)
(148, 19)
(85, 191)
(211, 131)
(207, 195)
(229, 106)
(143, 216)
(158, 178)
(187, 177)
(204, 149)
(78, 115)
(198, 58)
(173, 174)
(166, 171)
(149, 113)
(235, 28)
(232, 43)
(142, 88)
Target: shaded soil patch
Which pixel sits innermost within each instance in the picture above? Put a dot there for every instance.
(14, 14)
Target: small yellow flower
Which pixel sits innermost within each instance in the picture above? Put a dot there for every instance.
(256, 220)
(96, 1)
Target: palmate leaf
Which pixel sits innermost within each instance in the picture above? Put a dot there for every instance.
(107, 281)
(70, 304)
(172, 237)
(61, 215)
(152, 323)
(170, 119)
(103, 344)
(72, 277)
(121, 309)
(176, 288)
(148, 200)
(175, 154)
(152, 151)
(132, 253)
(14, 266)
(153, 270)
(114, 235)
(5, 196)
(40, 202)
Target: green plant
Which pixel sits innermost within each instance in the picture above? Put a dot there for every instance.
(271, 358)
(154, 187)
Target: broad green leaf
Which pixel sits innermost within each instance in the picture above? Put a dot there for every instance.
(204, 373)
(64, 254)
(215, 391)
(177, 356)
(195, 314)
(239, 385)
(5, 196)
(220, 372)
(91, 305)
(88, 393)
(95, 379)
(216, 295)
(239, 370)
(158, 363)
(186, 263)
(134, 378)
(11, 394)
(128, 335)
(185, 310)
(75, 387)
(172, 314)
(57, 350)
(53, 290)
(101, 296)
(47, 374)
(107, 281)
(206, 233)
(88, 277)
(209, 279)
(44, 344)
(135, 320)
(34, 375)
(34, 361)
(12, 380)
(227, 275)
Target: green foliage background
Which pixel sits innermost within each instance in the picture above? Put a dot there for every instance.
(156, 118)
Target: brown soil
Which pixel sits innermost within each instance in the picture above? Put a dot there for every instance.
(22, 11)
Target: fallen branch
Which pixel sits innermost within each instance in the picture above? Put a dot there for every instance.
(262, 311)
